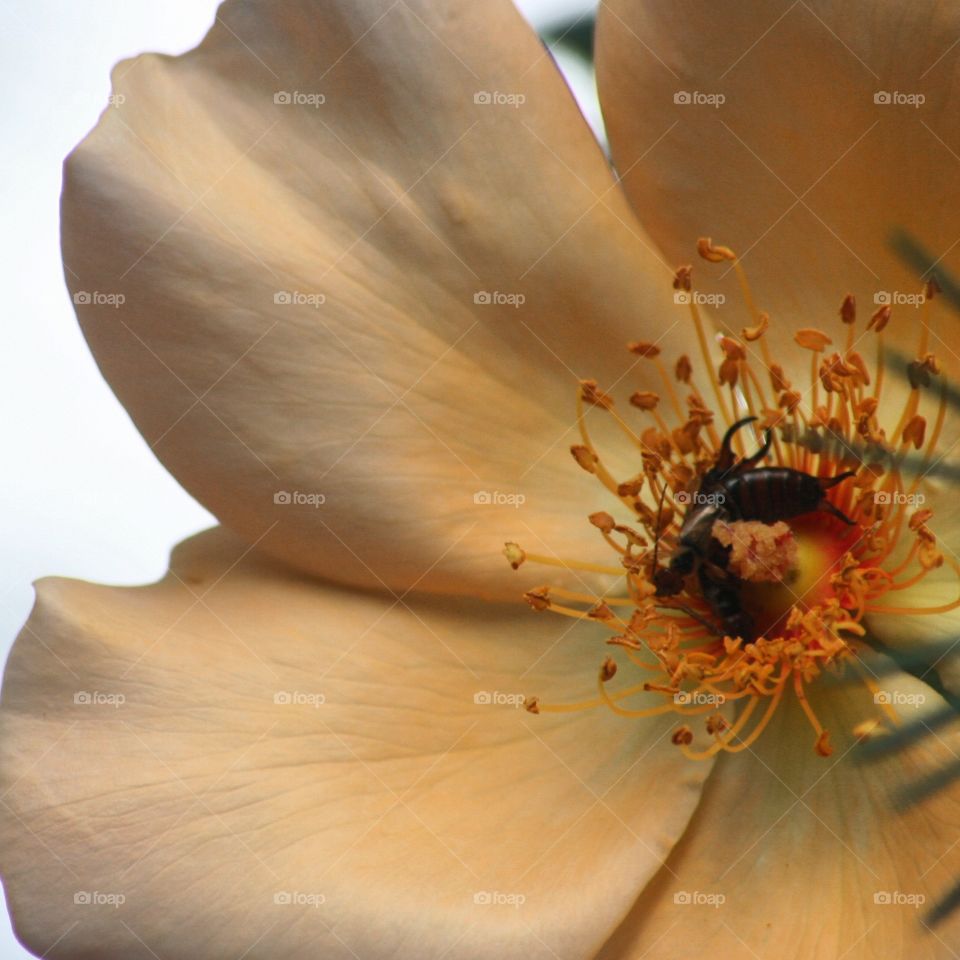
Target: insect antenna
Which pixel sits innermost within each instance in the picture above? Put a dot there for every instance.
(656, 542)
(826, 484)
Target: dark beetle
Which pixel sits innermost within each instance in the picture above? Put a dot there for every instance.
(737, 490)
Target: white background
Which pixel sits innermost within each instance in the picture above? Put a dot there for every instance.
(82, 494)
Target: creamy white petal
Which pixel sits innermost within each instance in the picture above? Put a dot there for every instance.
(261, 766)
(365, 250)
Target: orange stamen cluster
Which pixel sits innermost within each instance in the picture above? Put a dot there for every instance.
(676, 640)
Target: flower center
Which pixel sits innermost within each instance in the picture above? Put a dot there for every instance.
(809, 561)
(751, 553)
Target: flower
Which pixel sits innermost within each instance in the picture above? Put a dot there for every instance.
(366, 250)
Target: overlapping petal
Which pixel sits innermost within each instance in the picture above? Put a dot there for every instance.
(838, 125)
(260, 767)
(797, 856)
(364, 252)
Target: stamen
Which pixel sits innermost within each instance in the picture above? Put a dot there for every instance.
(717, 605)
(822, 744)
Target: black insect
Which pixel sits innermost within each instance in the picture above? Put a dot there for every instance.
(737, 490)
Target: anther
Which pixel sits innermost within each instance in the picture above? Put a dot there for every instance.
(682, 736)
(880, 319)
(914, 431)
(645, 399)
(514, 554)
(756, 332)
(602, 521)
(848, 309)
(714, 254)
(643, 348)
(538, 598)
(593, 395)
(812, 339)
(585, 457)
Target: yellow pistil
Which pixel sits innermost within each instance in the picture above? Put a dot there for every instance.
(752, 602)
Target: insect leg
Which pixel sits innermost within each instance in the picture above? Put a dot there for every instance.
(837, 512)
(683, 608)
